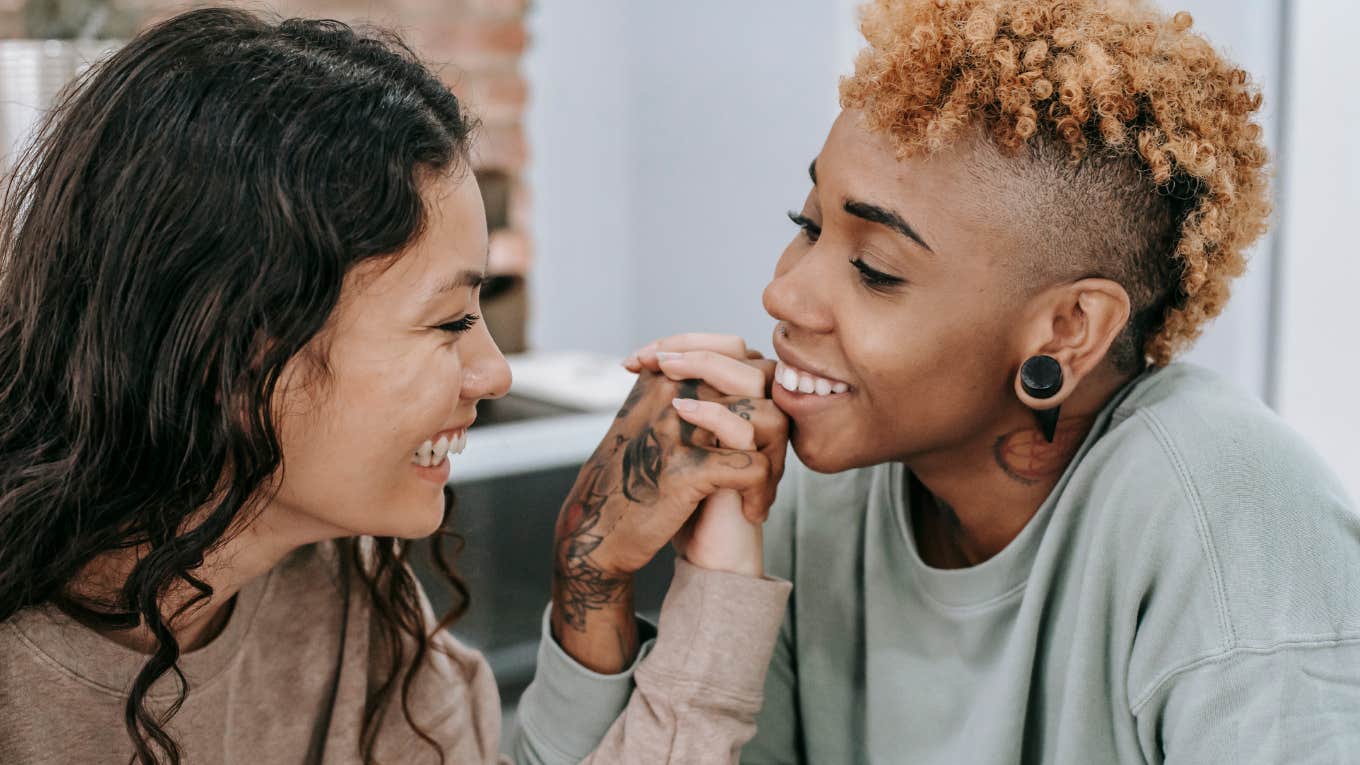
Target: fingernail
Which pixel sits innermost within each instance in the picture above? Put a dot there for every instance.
(685, 404)
(667, 356)
(630, 362)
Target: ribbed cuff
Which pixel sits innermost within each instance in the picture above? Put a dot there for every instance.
(718, 629)
(569, 707)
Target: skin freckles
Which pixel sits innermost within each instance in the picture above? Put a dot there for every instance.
(929, 329)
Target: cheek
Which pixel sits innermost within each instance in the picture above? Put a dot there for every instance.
(930, 375)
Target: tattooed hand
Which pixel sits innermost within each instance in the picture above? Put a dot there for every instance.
(718, 537)
(635, 494)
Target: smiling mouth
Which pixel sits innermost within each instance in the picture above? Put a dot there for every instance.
(434, 452)
(795, 380)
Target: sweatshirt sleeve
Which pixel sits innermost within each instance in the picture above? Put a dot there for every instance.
(693, 698)
(1290, 703)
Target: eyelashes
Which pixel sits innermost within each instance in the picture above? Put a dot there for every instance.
(875, 279)
(869, 276)
(460, 326)
(810, 229)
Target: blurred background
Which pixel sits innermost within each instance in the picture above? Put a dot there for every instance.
(637, 159)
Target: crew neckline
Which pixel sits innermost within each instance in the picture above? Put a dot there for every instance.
(1000, 577)
(106, 665)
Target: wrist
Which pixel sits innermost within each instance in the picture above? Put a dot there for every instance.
(753, 566)
(592, 618)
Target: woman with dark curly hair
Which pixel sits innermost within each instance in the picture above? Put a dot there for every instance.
(1037, 538)
(240, 343)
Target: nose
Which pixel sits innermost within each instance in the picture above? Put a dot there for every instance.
(798, 295)
(485, 371)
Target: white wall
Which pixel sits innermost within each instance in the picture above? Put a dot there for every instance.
(1319, 349)
(580, 124)
(668, 140)
(1237, 343)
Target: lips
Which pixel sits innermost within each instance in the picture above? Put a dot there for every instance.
(796, 374)
(795, 380)
(440, 446)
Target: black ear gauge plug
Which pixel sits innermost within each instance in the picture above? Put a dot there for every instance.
(1042, 378)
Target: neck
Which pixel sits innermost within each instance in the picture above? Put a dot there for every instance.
(978, 497)
(227, 569)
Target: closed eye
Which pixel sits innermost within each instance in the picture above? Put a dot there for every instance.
(811, 229)
(460, 326)
(875, 279)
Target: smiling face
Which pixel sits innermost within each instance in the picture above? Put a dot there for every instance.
(407, 361)
(901, 292)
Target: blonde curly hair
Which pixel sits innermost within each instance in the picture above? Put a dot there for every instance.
(1114, 86)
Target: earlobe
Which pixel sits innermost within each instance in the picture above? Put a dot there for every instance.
(1040, 380)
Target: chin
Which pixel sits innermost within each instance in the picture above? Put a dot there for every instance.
(408, 520)
(821, 455)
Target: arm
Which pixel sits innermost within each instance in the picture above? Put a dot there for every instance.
(779, 735)
(698, 691)
(778, 727)
(1291, 703)
(577, 655)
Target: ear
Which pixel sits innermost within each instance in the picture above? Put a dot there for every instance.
(1076, 324)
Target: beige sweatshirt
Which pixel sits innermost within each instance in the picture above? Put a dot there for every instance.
(285, 681)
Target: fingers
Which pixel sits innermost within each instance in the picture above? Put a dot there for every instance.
(772, 438)
(729, 376)
(768, 434)
(728, 345)
(747, 473)
(731, 430)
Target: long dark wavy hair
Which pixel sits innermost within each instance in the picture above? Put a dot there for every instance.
(179, 230)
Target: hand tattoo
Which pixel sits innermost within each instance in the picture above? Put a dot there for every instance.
(581, 584)
(642, 468)
(742, 408)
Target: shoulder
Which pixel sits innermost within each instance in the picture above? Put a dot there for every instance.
(1245, 475)
(1227, 499)
(1225, 440)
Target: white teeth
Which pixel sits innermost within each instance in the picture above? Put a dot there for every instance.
(434, 453)
(796, 381)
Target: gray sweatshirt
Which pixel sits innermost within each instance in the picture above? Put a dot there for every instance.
(1188, 593)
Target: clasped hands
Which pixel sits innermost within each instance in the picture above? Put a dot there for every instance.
(692, 459)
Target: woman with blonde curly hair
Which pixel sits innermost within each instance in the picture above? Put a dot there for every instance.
(1035, 537)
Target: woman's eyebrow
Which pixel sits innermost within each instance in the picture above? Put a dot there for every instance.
(467, 278)
(884, 217)
(464, 278)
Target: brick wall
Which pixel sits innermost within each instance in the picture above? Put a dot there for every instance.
(476, 46)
